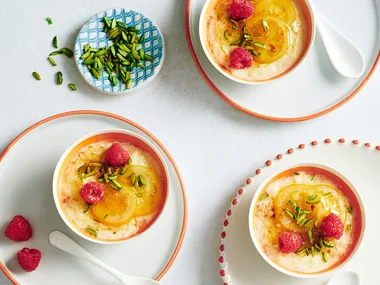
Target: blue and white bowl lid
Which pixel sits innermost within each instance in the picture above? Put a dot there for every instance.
(92, 33)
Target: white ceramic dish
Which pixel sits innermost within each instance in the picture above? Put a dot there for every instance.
(79, 141)
(257, 244)
(315, 88)
(39, 148)
(202, 38)
(240, 262)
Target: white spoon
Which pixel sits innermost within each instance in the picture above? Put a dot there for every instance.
(344, 55)
(346, 278)
(64, 243)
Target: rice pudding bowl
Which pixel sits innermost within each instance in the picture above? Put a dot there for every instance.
(110, 186)
(306, 220)
(268, 42)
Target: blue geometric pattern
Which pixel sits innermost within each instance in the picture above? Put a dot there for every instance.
(92, 34)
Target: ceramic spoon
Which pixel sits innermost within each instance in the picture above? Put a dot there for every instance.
(347, 278)
(344, 55)
(64, 243)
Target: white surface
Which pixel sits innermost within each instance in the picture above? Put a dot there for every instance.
(356, 163)
(315, 85)
(63, 242)
(145, 255)
(216, 146)
(346, 278)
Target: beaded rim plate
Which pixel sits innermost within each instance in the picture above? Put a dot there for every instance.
(92, 33)
(240, 262)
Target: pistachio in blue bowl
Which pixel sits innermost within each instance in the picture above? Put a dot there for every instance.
(119, 50)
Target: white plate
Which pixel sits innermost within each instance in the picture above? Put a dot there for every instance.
(240, 262)
(26, 172)
(312, 90)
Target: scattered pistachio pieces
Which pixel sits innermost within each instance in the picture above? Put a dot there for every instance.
(313, 250)
(129, 161)
(313, 202)
(326, 194)
(305, 211)
(72, 86)
(260, 45)
(36, 75)
(264, 24)
(86, 208)
(92, 231)
(123, 170)
(117, 184)
(67, 52)
(57, 52)
(289, 213)
(55, 42)
(349, 210)
(52, 61)
(105, 216)
(325, 257)
(348, 228)
(328, 244)
(312, 177)
(307, 222)
(133, 178)
(263, 196)
(49, 20)
(301, 218)
(292, 203)
(310, 233)
(316, 224)
(311, 197)
(296, 173)
(298, 212)
(142, 181)
(59, 78)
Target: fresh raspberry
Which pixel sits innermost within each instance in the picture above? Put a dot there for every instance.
(18, 229)
(240, 9)
(117, 155)
(331, 226)
(289, 242)
(29, 258)
(240, 58)
(92, 192)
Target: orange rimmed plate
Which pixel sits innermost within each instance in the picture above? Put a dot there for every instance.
(315, 88)
(26, 172)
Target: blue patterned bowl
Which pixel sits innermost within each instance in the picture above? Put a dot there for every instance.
(92, 34)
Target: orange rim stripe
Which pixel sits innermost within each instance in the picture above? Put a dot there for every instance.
(114, 116)
(262, 116)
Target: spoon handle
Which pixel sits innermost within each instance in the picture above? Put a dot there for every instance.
(63, 242)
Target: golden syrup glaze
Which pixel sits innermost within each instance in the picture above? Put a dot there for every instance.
(121, 212)
(269, 217)
(287, 36)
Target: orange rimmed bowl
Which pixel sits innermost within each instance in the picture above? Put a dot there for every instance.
(112, 135)
(344, 185)
(225, 70)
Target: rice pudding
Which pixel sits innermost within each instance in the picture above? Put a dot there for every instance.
(111, 196)
(307, 220)
(272, 39)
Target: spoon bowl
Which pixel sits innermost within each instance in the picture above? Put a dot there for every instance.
(64, 243)
(345, 57)
(346, 278)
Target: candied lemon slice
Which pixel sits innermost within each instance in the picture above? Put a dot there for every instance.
(149, 197)
(298, 193)
(117, 208)
(281, 9)
(270, 37)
